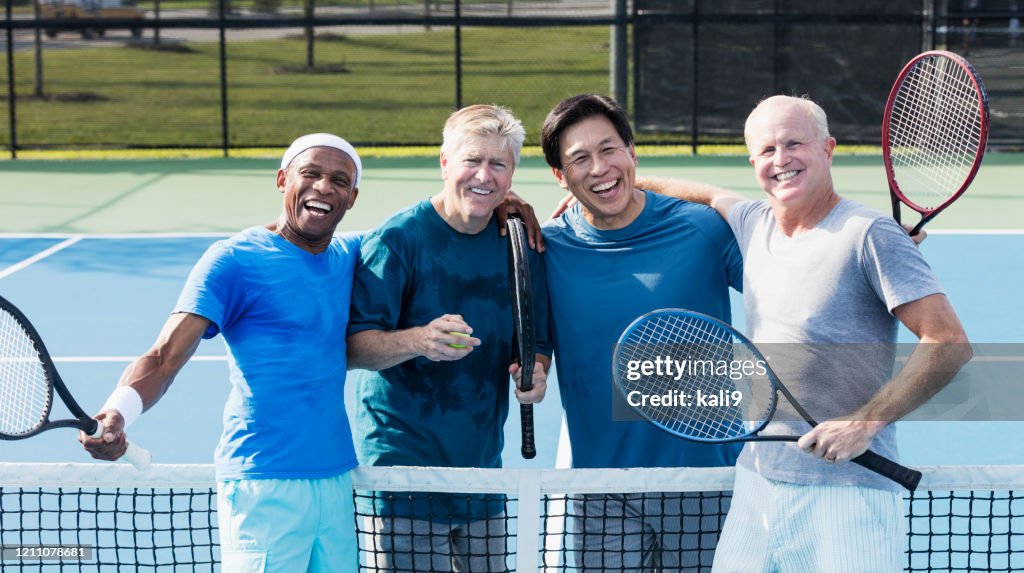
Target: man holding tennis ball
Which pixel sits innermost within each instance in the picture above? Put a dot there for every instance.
(432, 319)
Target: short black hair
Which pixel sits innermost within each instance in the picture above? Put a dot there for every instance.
(573, 110)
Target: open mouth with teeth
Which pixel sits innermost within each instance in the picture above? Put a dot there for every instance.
(786, 176)
(318, 208)
(480, 191)
(604, 187)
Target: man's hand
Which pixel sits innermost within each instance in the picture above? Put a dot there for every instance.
(113, 443)
(919, 237)
(436, 342)
(540, 383)
(568, 201)
(514, 204)
(840, 440)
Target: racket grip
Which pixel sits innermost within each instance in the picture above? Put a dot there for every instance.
(138, 457)
(908, 478)
(529, 447)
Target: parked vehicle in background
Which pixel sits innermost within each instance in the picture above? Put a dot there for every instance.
(86, 12)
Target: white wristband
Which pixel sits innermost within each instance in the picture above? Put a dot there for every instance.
(127, 402)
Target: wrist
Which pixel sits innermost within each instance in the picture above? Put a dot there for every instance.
(127, 402)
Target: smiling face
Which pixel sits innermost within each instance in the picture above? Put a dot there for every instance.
(790, 151)
(477, 175)
(599, 169)
(318, 189)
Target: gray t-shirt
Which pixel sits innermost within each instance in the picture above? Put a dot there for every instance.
(818, 305)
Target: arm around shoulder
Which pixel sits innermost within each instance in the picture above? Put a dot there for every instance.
(719, 199)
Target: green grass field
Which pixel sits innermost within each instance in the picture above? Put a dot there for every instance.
(393, 88)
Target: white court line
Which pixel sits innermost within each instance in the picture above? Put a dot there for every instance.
(39, 256)
(94, 359)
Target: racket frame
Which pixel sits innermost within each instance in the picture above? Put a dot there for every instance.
(138, 457)
(896, 195)
(522, 316)
(907, 477)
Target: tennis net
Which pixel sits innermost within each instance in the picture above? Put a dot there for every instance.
(964, 518)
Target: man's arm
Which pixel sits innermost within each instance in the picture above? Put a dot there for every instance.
(541, 367)
(717, 198)
(941, 351)
(382, 349)
(150, 375)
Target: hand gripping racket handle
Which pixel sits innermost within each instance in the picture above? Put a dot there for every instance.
(136, 456)
(526, 415)
(902, 475)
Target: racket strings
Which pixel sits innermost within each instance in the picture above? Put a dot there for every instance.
(25, 394)
(704, 346)
(935, 131)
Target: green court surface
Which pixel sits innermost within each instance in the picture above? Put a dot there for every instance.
(223, 195)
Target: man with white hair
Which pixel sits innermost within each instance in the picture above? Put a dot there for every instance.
(280, 296)
(827, 281)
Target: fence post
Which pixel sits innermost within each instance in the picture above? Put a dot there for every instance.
(309, 9)
(458, 54)
(12, 122)
(695, 80)
(223, 79)
(619, 79)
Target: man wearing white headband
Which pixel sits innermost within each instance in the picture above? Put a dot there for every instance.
(279, 294)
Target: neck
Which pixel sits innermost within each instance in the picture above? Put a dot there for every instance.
(311, 245)
(465, 224)
(621, 220)
(798, 219)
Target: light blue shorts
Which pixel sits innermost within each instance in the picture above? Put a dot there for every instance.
(287, 525)
(777, 526)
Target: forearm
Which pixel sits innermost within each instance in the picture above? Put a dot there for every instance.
(152, 373)
(930, 367)
(715, 197)
(380, 350)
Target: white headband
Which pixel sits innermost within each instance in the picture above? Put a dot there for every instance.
(323, 140)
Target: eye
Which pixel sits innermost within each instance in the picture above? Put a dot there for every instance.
(309, 173)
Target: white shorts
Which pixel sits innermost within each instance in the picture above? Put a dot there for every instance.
(287, 525)
(792, 528)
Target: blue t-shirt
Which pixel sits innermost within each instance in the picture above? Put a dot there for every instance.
(282, 312)
(412, 270)
(674, 255)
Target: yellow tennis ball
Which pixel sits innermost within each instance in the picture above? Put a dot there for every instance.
(452, 344)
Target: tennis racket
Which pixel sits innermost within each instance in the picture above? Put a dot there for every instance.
(522, 313)
(28, 378)
(702, 402)
(933, 133)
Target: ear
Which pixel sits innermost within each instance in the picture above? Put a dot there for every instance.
(632, 154)
(560, 176)
(830, 147)
(282, 180)
(444, 166)
(352, 197)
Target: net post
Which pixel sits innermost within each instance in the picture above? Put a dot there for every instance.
(527, 529)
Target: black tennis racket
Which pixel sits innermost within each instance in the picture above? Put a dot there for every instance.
(933, 133)
(725, 392)
(522, 312)
(28, 378)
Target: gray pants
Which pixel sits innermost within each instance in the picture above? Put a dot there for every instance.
(415, 545)
(663, 532)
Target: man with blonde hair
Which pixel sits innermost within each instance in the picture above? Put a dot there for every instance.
(432, 319)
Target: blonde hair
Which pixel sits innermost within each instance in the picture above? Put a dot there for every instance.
(483, 121)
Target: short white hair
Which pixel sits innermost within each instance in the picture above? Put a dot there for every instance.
(483, 121)
(809, 107)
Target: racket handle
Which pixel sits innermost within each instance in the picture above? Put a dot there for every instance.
(136, 456)
(529, 448)
(908, 478)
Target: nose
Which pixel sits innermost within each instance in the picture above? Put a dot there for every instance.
(484, 173)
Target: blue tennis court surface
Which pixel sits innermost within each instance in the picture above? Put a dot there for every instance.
(100, 301)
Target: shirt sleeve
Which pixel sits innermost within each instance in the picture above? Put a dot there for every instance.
(379, 287)
(213, 289)
(894, 265)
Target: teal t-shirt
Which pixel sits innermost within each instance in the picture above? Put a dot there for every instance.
(412, 270)
(674, 255)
